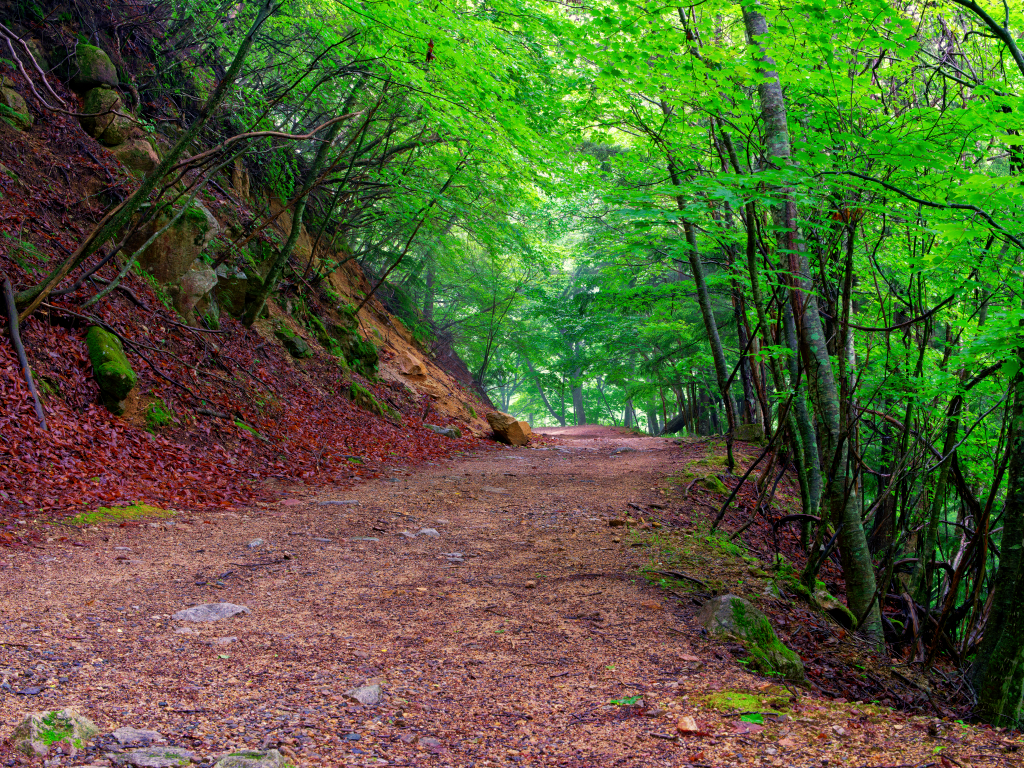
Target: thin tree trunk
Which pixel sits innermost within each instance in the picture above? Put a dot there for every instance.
(858, 568)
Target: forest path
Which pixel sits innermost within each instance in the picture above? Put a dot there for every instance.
(501, 641)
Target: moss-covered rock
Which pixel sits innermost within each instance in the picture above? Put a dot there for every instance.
(232, 285)
(90, 67)
(735, 618)
(137, 155)
(13, 107)
(40, 731)
(101, 118)
(174, 252)
(342, 339)
(295, 344)
(364, 398)
(110, 367)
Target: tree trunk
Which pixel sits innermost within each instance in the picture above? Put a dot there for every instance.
(843, 506)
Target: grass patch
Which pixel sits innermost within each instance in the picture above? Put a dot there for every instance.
(119, 514)
(743, 701)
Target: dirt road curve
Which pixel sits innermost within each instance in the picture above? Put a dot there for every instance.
(501, 641)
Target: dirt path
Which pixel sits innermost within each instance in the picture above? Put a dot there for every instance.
(502, 641)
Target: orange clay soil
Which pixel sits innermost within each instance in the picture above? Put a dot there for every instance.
(503, 641)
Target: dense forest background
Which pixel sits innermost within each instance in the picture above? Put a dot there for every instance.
(794, 224)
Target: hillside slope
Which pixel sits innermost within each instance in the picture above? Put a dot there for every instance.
(220, 412)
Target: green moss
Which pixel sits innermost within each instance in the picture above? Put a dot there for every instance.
(471, 409)
(733, 701)
(712, 483)
(57, 727)
(158, 416)
(110, 367)
(119, 514)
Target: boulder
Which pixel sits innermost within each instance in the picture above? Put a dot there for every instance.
(110, 368)
(91, 67)
(137, 155)
(103, 118)
(174, 252)
(507, 429)
(38, 53)
(40, 731)
(410, 366)
(737, 619)
(232, 285)
(748, 433)
(527, 429)
(252, 758)
(295, 344)
(13, 107)
(194, 287)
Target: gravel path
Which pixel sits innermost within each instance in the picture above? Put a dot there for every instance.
(502, 640)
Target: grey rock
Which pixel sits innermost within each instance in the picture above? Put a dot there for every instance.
(346, 503)
(127, 736)
(224, 640)
(733, 617)
(194, 287)
(367, 695)
(251, 758)
(232, 285)
(255, 544)
(748, 432)
(40, 731)
(321, 540)
(430, 533)
(364, 538)
(407, 534)
(623, 449)
(490, 489)
(444, 431)
(210, 612)
(155, 757)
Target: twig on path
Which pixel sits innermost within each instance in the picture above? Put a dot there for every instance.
(678, 575)
(16, 645)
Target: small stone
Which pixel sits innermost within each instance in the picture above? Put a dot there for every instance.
(616, 522)
(156, 757)
(321, 540)
(429, 742)
(255, 544)
(40, 731)
(430, 533)
(623, 449)
(366, 538)
(353, 737)
(687, 725)
(224, 640)
(210, 612)
(252, 758)
(345, 503)
(531, 584)
(127, 736)
(407, 534)
(491, 489)
(367, 695)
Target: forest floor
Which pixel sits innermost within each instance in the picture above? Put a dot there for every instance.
(522, 634)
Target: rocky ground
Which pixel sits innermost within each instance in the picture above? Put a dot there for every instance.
(501, 615)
